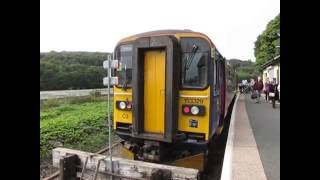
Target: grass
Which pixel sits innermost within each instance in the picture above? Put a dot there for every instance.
(73, 123)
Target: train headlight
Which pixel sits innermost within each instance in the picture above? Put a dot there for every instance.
(195, 110)
(122, 105)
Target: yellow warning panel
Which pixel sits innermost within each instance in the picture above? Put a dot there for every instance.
(122, 116)
(195, 162)
(125, 153)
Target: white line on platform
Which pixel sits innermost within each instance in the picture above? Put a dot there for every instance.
(226, 173)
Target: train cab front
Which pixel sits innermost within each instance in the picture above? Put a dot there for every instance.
(165, 92)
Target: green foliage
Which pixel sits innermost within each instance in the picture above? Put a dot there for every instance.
(245, 69)
(267, 42)
(71, 70)
(243, 75)
(81, 126)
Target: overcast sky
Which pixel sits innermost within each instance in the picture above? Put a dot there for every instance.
(97, 25)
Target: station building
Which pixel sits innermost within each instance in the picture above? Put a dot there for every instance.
(271, 70)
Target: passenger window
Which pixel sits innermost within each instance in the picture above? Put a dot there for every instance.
(218, 74)
(214, 62)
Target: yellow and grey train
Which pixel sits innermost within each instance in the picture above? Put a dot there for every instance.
(173, 93)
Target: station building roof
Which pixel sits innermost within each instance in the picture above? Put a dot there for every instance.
(271, 62)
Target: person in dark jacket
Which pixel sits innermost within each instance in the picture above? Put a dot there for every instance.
(258, 87)
(266, 89)
(273, 90)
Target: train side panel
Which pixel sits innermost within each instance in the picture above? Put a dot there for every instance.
(230, 87)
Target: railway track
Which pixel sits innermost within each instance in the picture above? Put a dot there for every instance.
(101, 151)
(216, 154)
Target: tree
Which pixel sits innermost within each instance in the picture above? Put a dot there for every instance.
(267, 42)
(71, 70)
(245, 70)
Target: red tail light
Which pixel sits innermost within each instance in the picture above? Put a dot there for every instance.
(129, 105)
(186, 109)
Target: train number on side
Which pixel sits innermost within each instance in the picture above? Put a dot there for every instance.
(193, 100)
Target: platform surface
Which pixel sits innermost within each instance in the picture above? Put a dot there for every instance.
(253, 145)
(246, 162)
(265, 124)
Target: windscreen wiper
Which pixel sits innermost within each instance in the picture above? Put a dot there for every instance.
(191, 57)
(189, 60)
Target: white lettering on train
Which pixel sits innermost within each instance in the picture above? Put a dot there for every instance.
(193, 100)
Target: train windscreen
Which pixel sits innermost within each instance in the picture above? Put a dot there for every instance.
(194, 66)
(194, 69)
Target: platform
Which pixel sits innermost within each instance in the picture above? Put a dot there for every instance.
(241, 160)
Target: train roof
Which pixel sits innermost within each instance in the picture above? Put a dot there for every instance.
(161, 32)
(174, 32)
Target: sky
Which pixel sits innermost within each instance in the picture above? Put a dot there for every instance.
(97, 25)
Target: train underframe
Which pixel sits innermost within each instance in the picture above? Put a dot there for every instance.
(179, 153)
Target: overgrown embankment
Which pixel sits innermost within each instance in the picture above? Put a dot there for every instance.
(79, 123)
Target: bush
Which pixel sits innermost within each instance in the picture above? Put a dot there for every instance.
(80, 125)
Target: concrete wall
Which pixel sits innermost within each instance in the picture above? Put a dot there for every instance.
(70, 93)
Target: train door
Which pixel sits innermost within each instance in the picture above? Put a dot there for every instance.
(154, 91)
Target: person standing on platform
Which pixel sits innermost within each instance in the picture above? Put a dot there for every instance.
(252, 82)
(258, 87)
(273, 93)
(266, 89)
(279, 91)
